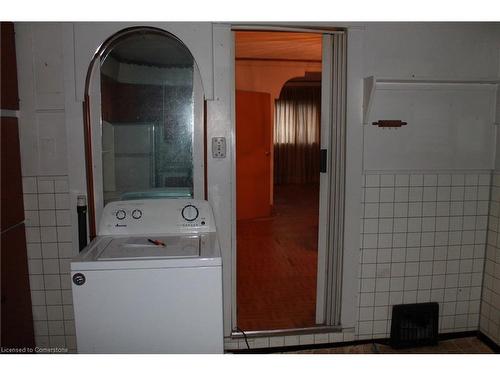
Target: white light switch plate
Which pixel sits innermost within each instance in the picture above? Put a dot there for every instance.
(218, 147)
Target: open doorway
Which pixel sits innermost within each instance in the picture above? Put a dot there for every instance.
(278, 138)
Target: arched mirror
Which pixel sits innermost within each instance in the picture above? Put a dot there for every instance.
(150, 118)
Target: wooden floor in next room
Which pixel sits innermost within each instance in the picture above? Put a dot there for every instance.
(277, 259)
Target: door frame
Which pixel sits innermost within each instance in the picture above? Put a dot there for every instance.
(330, 252)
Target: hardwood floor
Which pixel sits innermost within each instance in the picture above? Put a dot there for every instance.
(276, 266)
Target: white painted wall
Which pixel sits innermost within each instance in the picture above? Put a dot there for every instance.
(452, 50)
(41, 125)
(391, 50)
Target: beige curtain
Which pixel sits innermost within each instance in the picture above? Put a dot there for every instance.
(297, 119)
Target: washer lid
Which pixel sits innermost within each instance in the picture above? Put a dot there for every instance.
(122, 248)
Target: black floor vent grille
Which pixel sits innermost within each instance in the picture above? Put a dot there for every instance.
(414, 325)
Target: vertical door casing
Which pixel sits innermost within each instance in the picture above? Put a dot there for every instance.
(332, 182)
(337, 180)
(221, 171)
(324, 195)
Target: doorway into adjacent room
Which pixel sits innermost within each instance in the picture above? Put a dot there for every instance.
(278, 157)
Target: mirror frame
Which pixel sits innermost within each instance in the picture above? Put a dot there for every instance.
(101, 52)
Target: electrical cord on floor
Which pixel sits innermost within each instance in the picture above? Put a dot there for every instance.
(244, 336)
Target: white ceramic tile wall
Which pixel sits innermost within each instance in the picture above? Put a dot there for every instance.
(423, 239)
(490, 303)
(49, 247)
(346, 335)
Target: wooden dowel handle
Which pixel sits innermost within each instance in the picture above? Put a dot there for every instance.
(389, 123)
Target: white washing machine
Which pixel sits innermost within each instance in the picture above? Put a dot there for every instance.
(151, 281)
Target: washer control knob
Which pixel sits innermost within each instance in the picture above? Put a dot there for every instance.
(120, 214)
(190, 212)
(137, 214)
(79, 278)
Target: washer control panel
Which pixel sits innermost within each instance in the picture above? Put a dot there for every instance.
(158, 216)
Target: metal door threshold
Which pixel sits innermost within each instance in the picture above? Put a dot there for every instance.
(235, 334)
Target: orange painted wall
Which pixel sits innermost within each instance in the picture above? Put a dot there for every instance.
(270, 76)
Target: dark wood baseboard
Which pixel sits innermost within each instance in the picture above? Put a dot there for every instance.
(294, 348)
(491, 344)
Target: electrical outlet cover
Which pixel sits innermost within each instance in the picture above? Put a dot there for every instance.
(218, 147)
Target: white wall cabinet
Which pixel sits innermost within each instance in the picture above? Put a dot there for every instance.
(450, 124)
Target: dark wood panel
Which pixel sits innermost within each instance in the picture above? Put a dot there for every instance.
(17, 316)
(12, 192)
(9, 97)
